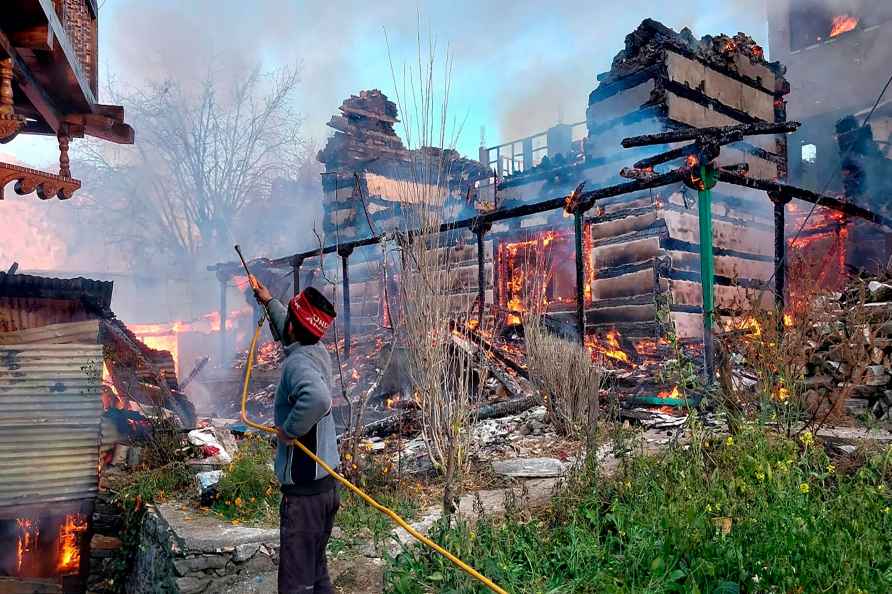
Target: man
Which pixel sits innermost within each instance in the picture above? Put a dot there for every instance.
(303, 413)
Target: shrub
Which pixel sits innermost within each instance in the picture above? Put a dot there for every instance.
(566, 379)
(249, 490)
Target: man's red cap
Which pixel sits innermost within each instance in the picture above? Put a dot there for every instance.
(308, 315)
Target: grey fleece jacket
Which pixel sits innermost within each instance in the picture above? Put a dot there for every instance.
(303, 410)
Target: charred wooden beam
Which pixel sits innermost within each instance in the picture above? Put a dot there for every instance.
(587, 200)
(751, 129)
(682, 151)
(782, 189)
(580, 275)
(479, 231)
(780, 253)
(344, 253)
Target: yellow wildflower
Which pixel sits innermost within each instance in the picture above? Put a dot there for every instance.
(760, 475)
(730, 441)
(831, 469)
(235, 522)
(782, 394)
(807, 438)
(238, 501)
(804, 487)
(886, 510)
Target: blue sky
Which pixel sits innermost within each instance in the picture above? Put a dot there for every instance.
(517, 65)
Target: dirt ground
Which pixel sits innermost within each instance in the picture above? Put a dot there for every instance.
(359, 575)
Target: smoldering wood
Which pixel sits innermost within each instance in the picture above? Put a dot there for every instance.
(750, 129)
(824, 200)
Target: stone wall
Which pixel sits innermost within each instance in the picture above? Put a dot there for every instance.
(185, 552)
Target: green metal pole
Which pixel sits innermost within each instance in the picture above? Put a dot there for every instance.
(707, 269)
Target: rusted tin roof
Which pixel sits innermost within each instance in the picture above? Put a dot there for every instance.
(50, 410)
(28, 301)
(96, 293)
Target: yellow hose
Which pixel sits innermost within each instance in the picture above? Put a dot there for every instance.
(365, 497)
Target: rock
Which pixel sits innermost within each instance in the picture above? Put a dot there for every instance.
(102, 547)
(529, 467)
(876, 375)
(200, 563)
(192, 585)
(243, 552)
(879, 291)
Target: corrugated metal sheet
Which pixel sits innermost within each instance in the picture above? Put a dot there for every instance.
(86, 332)
(50, 410)
(28, 301)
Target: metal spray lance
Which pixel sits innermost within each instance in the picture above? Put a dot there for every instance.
(272, 327)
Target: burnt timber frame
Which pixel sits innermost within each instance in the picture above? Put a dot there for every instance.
(579, 202)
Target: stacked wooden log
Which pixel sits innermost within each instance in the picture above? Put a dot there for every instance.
(853, 355)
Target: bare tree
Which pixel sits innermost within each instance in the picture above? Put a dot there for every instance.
(202, 157)
(441, 365)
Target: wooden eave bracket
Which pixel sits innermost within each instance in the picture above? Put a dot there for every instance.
(47, 185)
(106, 123)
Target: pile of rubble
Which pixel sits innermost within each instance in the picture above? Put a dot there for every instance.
(852, 357)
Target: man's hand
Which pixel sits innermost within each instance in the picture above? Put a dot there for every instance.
(261, 293)
(282, 436)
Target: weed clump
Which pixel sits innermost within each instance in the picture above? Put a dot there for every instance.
(248, 490)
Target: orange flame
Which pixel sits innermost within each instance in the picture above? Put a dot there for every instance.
(610, 348)
(69, 543)
(843, 24)
(673, 394)
(26, 542)
(752, 325)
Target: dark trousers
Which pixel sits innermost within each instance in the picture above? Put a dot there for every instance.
(306, 523)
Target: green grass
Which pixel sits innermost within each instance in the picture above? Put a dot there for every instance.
(756, 513)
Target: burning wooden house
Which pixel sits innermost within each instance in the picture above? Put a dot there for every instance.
(641, 248)
(618, 265)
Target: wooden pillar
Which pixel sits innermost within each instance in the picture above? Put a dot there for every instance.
(480, 231)
(223, 346)
(345, 289)
(580, 275)
(780, 253)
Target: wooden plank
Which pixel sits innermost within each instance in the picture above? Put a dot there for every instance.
(634, 283)
(731, 92)
(67, 333)
(727, 235)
